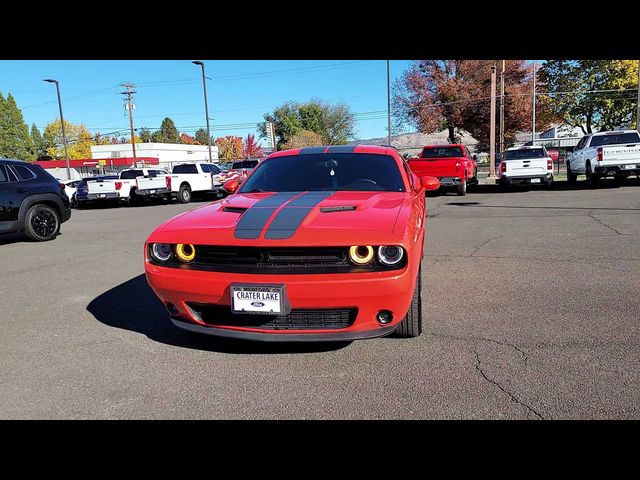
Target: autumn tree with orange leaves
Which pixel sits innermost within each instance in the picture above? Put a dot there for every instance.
(454, 95)
(230, 147)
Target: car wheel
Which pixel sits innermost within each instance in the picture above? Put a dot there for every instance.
(184, 195)
(461, 189)
(572, 177)
(73, 203)
(42, 223)
(619, 179)
(411, 325)
(548, 183)
(592, 178)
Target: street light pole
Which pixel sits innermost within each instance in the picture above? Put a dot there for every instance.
(492, 128)
(389, 101)
(64, 137)
(502, 107)
(206, 107)
(638, 112)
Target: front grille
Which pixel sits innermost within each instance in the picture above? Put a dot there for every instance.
(298, 319)
(278, 260)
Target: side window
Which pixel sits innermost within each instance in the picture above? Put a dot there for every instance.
(408, 172)
(23, 172)
(468, 152)
(3, 175)
(205, 168)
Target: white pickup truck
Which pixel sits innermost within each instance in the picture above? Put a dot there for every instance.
(188, 178)
(525, 165)
(605, 154)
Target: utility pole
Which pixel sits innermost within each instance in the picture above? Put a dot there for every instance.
(129, 106)
(492, 131)
(502, 107)
(533, 120)
(389, 101)
(638, 112)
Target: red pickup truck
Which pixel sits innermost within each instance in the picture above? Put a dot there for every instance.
(452, 164)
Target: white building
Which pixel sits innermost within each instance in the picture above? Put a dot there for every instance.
(166, 153)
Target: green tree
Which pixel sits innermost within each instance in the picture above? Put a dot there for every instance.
(335, 124)
(145, 135)
(201, 137)
(39, 151)
(168, 132)
(79, 140)
(592, 94)
(15, 141)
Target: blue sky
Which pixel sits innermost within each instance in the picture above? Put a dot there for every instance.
(240, 91)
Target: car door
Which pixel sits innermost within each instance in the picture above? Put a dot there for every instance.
(12, 192)
(577, 157)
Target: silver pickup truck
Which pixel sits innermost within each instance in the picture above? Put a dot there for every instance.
(605, 154)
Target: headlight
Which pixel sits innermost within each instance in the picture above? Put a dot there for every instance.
(161, 252)
(361, 255)
(185, 252)
(390, 254)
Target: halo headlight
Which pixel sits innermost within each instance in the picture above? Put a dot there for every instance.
(361, 254)
(390, 254)
(185, 252)
(161, 252)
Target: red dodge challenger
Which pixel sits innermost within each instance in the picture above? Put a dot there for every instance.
(320, 243)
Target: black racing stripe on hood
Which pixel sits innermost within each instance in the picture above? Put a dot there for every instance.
(342, 149)
(309, 150)
(256, 217)
(288, 220)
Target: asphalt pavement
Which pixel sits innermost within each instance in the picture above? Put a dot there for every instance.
(531, 301)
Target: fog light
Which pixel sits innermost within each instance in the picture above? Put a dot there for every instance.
(173, 310)
(384, 317)
(185, 252)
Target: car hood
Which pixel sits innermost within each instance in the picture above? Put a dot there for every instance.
(304, 217)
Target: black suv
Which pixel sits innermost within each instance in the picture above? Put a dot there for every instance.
(31, 200)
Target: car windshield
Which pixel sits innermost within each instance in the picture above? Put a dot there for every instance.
(245, 164)
(615, 139)
(524, 153)
(326, 172)
(441, 152)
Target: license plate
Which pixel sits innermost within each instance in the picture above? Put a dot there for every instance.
(152, 192)
(629, 167)
(260, 299)
(535, 180)
(103, 195)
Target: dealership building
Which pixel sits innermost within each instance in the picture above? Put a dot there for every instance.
(166, 153)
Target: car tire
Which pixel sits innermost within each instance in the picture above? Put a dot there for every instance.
(572, 177)
(42, 223)
(461, 189)
(73, 203)
(184, 195)
(592, 178)
(411, 325)
(548, 183)
(619, 180)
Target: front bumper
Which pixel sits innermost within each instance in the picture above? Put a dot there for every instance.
(368, 292)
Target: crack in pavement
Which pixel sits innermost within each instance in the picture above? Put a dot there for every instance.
(523, 354)
(483, 244)
(504, 390)
(604, 224)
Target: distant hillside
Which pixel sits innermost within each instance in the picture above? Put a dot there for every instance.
(413, 142)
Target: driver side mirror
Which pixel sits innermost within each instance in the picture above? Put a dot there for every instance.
(231, 186)
(430, 183)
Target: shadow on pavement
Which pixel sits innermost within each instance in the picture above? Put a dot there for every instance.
(133, 306)
(9, 238)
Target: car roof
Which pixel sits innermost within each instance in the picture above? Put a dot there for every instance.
(374, 149)
(12, 160)
(613, 132)
(524, 147)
